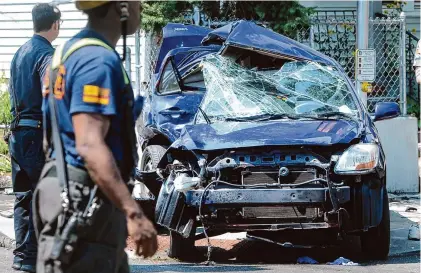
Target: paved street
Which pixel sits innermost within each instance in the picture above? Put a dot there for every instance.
(398, 264)
(249, 256)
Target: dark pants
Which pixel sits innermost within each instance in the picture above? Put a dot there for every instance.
(101, 248)
(27, 156)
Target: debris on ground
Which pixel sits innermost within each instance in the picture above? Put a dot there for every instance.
(306, 260)
(410, 209)
(414, 232)
(7, 213)
(342, 261)
(8, 191)
(5, 181)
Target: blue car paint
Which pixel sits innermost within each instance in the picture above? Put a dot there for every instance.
(192, 55)
(173, 123)
(243, 33)
(231, 135)
(179, 35)
(181, 131)
(251, 36)
(386, 110)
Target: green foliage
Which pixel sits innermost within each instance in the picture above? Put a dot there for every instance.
(5, 119)
(413, 107)
(5, 164)
(5, 115)
(156, 14)
(285, 17)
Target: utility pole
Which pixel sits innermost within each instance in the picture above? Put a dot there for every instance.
(363, 11)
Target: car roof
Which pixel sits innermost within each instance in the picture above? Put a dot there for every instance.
(182, 38)
(176, 35)
(248, 35)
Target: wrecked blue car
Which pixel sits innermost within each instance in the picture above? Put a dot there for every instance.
(250, 131)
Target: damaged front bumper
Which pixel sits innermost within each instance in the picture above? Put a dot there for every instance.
(265, 197)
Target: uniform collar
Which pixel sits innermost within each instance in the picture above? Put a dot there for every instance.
(42, 39)
(90, 33)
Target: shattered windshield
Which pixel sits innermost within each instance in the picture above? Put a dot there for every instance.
(297, 90)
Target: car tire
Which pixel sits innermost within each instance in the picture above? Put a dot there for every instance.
(375, 243)
(182, 249)
(149, 161)
(152, 155)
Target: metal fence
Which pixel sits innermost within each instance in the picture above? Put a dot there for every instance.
(335, 35)
(414, 89)
(337, 38)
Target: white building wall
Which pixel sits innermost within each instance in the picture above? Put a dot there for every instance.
(16, 29)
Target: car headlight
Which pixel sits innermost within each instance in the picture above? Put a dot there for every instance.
(358, 159)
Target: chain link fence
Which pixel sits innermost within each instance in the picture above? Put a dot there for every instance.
(414, 94)
(335, 35)
(337, 38)
(152, 52)
(385, 38)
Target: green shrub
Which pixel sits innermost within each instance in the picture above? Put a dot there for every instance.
(5, 119)
(5, 115)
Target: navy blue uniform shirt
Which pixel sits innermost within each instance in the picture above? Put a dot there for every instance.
(26, 73)
(91, 81)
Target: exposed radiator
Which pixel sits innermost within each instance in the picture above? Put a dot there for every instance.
(270, 176)
(279, 213)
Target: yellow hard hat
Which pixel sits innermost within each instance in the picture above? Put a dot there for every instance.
(85, 5)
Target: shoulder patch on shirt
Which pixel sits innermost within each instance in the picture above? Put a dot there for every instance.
(46, 82)
(95, 94)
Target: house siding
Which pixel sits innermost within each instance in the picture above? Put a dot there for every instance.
(16, 29)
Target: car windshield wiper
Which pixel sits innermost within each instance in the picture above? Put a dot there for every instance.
(263, 117)
(205, 116)
(334, 114)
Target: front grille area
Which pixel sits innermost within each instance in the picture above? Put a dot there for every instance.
(279, 213)
(270, 176)
(252, 178)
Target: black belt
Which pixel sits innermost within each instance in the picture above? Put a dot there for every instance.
(25, 122)
(73, 173)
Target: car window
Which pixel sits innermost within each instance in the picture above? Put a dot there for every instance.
(194, 79)
(299, 89)
(168, 82)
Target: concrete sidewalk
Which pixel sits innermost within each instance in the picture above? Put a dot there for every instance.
(7, 233)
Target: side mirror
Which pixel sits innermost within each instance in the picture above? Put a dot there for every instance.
(386, 110)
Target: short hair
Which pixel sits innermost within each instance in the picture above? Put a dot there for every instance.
(44, 15)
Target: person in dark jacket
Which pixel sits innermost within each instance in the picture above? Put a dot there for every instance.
(26, 139)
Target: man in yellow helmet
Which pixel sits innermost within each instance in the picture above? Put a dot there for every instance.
(83, 206)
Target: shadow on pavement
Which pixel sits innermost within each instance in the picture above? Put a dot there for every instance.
(193, 268)
(413, 258)
(253, 252)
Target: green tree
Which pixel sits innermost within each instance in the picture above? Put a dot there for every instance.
(5, 119)
(5, 115)
(156, 14)
(285, 17)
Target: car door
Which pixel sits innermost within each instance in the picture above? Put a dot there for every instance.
(171, 107)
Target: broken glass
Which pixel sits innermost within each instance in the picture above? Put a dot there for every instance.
(299, 89)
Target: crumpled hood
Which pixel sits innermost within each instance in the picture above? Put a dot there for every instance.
(230, 135)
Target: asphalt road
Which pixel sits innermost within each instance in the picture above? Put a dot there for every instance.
(409, 263)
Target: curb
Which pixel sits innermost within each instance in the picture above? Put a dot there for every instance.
(407, 253)
(6, 242)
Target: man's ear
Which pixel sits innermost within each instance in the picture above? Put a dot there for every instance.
(55, 25)
(117, 7)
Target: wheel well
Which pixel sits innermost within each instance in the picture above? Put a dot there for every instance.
(158, 140)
